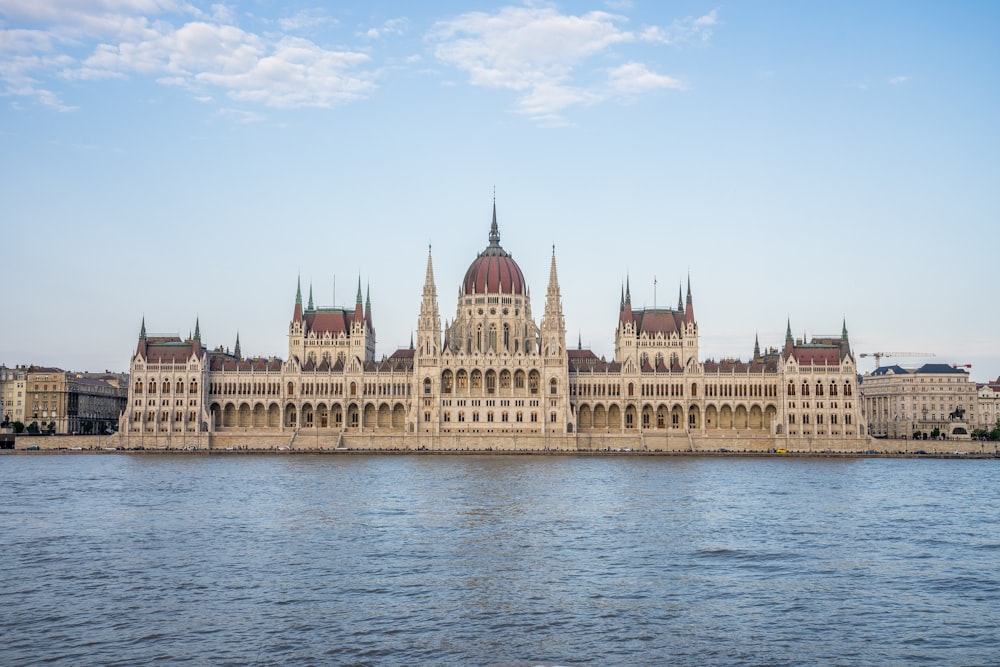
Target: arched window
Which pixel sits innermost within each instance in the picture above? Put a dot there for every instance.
(193, 388)
(291, 389)
(694, 389)
(791, 388)
(493, 337)
(427, 385)
(506, 338)
(805, 388)
(553, 387)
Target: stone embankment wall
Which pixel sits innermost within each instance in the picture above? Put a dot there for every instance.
(314, 441)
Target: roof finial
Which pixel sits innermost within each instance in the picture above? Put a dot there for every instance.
(311, 297)
(142, 331)
(197, 329)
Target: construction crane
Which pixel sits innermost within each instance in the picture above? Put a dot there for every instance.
(878, 355)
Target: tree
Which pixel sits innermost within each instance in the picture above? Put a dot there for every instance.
(33, 428)
(995, 433)
(18, 427)
(936, 432)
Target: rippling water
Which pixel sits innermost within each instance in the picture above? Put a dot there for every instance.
(436, 560)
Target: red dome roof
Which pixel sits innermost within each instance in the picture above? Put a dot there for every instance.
(494, 270)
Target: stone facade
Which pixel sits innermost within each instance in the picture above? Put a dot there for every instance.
(899, 402)
(988, 405)
(13, 394)
(493, 378)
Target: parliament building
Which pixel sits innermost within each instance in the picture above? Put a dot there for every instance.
(493, 379)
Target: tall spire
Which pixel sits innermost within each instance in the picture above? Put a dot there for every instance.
(310, 306)
(236, 349)
(368, 306)
(297, 313)
(359, 313)
(845, 343)
(680, 299)
(429, 321)
(142, 330)
(689, 306)
(626, 313)
(494, 230)
(553, 325)
(756, 346)
(197, 329)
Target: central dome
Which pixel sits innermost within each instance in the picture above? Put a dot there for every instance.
(494, 271)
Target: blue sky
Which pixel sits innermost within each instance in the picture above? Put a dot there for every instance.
(802, 162)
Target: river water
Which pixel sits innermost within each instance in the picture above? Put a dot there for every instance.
(237, 559)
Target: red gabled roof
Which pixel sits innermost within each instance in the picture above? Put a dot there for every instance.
(335, 321)
(816, 356)
(652, 322)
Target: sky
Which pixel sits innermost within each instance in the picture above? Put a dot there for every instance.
(804, 164)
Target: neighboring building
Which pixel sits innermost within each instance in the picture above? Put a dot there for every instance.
(900, 402)
(64, 402)
(987, 406)
(493, 374)
(13, 394)
(47, 399)
(96, 401)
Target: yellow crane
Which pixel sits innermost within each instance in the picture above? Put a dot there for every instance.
(878, 355)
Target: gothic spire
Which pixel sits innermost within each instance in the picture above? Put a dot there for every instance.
(297, 312)
(689, 306)
(680, 299)
(142, 331)
(756, 346)
(368, 306)
(494, 230)
(310, 306)
(429, 278)
(197, 329)
(236, 349)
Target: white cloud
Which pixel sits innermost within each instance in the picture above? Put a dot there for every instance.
(635, 78)
(896, 80)
(542, 55)
(690, 30)
(390, 27)
(306, 19)
(178, 45)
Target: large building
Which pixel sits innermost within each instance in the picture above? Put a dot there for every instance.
(494, 378)
(904, 403)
